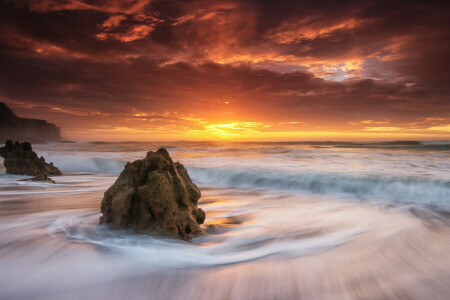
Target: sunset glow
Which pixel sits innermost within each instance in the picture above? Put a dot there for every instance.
(224, 149)
(235, 70)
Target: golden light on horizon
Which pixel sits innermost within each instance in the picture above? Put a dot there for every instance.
(226, 71)
(192, 128)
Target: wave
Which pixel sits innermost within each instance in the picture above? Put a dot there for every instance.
(431, 193)
(73, 162)
(425, 184)
(443, 145)
(244, 244)
(278, 146)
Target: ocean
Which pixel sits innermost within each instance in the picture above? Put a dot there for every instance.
(292, 220)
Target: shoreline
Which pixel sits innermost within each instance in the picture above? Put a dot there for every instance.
(377, 253)
(275, 237)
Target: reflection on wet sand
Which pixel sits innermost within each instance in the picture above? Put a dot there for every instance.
(284, 221)
(265, 246)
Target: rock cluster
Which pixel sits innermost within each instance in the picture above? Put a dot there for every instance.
(156, 195)
(19, 158)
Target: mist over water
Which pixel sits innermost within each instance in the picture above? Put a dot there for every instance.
(317, 220)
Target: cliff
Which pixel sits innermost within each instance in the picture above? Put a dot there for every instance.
(32, 130)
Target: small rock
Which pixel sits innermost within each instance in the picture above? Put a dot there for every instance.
(211, 229)
(40, 177)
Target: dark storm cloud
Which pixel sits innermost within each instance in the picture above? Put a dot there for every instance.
(114, 87)
(275, 59)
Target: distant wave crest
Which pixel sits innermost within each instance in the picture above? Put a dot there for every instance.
(395, 189)
(85, 164)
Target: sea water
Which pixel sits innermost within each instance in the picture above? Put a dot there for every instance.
(297, 220)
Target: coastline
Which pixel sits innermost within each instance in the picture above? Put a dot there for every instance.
(321, 239)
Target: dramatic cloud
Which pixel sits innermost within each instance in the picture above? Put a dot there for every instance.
(238, 69)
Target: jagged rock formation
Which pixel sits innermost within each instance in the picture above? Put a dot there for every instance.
(154, 195)
(34, 130)
(19, 158)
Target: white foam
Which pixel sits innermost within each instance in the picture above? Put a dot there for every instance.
(386, 188)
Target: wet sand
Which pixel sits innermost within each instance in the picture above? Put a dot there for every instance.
(291, 221)
(339, 251)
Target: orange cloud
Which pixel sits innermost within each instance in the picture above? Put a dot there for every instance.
(293, 33)
(235, 69)
(134, 33)
(113, 21)
(368, 122)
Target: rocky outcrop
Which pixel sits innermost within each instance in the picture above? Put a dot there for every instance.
(40, 177)
(34, 130)
(154, 194)
(19, 158)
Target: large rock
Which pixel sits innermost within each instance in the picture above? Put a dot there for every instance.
(19, 158)
(34, 130)
(154, 195)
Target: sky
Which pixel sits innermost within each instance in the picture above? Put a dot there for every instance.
(229, 70)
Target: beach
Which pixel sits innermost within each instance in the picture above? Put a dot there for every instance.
(296, 220)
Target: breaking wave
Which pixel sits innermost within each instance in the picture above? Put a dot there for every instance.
(81, 163)
(431, 193)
